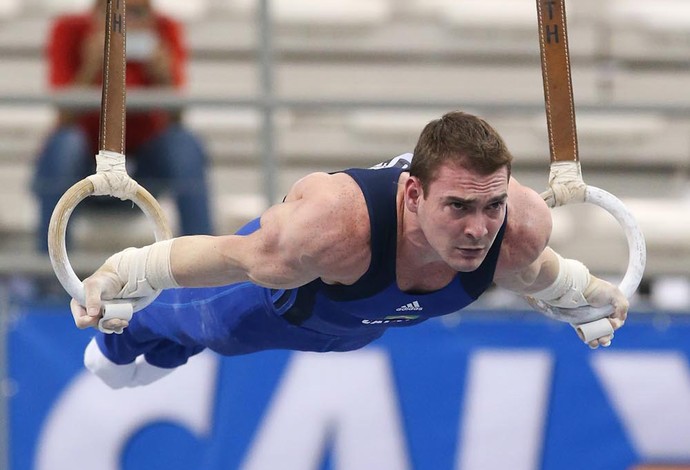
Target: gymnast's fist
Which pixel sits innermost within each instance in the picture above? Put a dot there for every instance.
(130, 274)
(600, 293)
(105, 284)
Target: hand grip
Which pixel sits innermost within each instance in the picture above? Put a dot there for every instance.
(637, 259)
(58, 228)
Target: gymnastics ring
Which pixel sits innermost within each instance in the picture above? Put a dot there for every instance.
(57, 229)
(589, 322)
(637, 259)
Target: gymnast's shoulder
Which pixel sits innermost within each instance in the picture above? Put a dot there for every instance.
(322, 224)
(527, 231)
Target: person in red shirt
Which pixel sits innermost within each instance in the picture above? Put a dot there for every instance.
(161, 154)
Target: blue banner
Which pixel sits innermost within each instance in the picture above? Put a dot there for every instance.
(480, 390)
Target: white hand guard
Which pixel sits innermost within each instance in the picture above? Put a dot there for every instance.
(572, 288)
(142, 271)
(116, 316)
(568, 290)
(133, 273)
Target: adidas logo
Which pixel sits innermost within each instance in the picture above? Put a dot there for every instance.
(411, 307)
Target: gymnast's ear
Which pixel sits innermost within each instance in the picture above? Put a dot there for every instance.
(413, 193)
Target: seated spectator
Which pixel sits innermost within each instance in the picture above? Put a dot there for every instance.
(161, 154)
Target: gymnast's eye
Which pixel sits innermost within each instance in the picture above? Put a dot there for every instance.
(459, 206)
(496, 206)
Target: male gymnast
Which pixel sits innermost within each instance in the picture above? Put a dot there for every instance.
(343, 258)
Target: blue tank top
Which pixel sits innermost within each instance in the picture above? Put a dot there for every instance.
(374, 302)
(243, 318)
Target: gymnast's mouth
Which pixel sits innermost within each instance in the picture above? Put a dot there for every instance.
(470, 251)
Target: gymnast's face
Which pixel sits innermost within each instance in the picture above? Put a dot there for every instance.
(461, 213)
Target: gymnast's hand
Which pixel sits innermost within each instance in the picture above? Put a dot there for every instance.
(129, 274)
(600, 293)
(571, 285)
(105, 284)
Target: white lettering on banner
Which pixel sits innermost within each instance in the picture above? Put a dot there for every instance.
(186, 397)
(345, 400)
(651, 394)
(507, 395)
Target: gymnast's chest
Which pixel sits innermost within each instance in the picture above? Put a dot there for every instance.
(396, 307)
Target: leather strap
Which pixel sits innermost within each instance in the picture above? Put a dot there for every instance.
(113, 101)
(558, 87)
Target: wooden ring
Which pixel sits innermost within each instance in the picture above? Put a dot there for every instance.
(637, 259)
(57, 230)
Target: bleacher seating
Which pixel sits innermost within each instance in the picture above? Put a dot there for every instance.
(320, 13)
(660, 14)
(478, 56)
(184, 10)
(593, 236)
(656, 30)
(53, 7)
(9, 8)
(492, 15)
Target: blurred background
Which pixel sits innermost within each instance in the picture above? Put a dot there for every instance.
(276, 89)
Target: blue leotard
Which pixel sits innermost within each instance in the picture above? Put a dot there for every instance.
(243, 318)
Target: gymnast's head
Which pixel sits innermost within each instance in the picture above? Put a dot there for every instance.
(460, 139)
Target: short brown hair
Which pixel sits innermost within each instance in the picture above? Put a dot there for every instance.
(460, 138)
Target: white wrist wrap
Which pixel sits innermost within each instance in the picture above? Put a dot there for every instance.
(567, 291)
(144, 270)
(565, 184)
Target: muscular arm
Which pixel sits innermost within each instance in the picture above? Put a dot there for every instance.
(310, 235)
(211, 261)
(534, 277)
(316, 232)
(526, 264)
